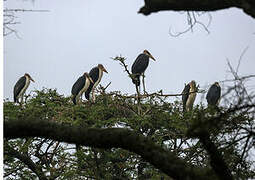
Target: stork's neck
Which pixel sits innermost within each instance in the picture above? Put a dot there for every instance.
(100, 74)
(192, 88)
(145, 54)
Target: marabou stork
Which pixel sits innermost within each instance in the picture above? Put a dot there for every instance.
(21, 87)
(139, 66)
(213, 94)
(96, 74)
(189, 95)
(80, 86)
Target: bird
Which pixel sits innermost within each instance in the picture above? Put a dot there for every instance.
(213, 94)
(96, 75)
(80, 86)
(139, 66)
(21, 87)
(189, 95)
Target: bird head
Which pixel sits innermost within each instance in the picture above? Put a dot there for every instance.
(100, 66)
(87, 76)
(29, 77)
(217, 84)
(149, 54)
(192, 84)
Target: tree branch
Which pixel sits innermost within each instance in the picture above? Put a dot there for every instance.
(129, 140)
(26, 160)
(217, 161)
(248, 6)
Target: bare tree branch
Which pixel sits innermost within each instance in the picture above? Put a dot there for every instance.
(10, 20)
(192, 19)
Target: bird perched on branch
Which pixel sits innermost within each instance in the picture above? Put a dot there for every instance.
(213, 95)
(21, 87)
(96, 74)
(80, 86)
(139, 66)
(189, 95)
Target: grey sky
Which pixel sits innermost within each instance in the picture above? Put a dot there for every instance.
(57, 47)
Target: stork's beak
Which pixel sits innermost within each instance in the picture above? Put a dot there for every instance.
(105, 70)
(91, 80)
(32, 79)
(152, 57)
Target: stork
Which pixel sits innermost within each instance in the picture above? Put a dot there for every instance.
(80, 86)
(189, 95)
(96, 75)
(139, 66)
(21, 87)
(213, 95)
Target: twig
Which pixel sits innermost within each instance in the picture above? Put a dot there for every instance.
(156, 94)
(192, 21)
(24, 10)
(122, 63)
(238, 78)
(240, 58)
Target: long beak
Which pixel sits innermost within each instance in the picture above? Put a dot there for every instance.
(32, 79)
(152, 57)
(91, 80)
(105, 70)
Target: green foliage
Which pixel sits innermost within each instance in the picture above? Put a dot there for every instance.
(159, 120)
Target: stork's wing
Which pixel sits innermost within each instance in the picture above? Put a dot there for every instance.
(213, 94)
(140, 64)
(185, 95)
(78, 85)
(18, 87)
(94, 74)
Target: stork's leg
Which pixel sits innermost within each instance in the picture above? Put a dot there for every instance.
(137, 90)
(93, 96)
(138, 99)
(144, 91)
(18, 101)
(22, 96)
(78, 100)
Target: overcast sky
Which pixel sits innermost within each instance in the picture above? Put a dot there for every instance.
(58, 46)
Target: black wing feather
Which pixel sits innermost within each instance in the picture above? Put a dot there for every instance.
(78, 85)
(94, 74)
(18, 87)
(213, 94)
(185, 96)
(140, 64)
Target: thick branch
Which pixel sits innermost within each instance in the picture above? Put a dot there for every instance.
(162, 159)
(26, 160)
(151, 6)
(217, 162)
